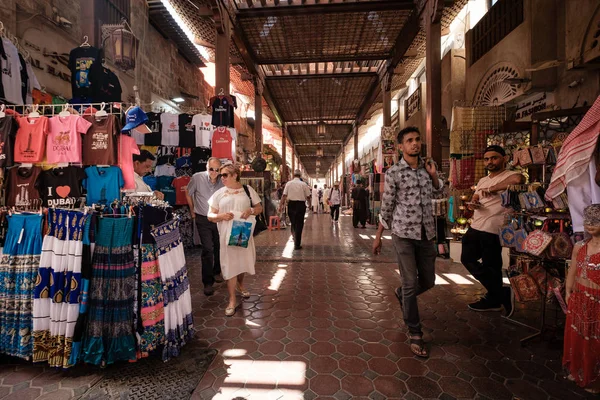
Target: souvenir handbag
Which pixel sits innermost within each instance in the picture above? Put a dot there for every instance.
(505, 197)
(542, 279)
(515, 158)
(520, 236)
(537, 155)
(507, 235)
(537, 241)
(561, 247)
(525, 158)
(550, 155)
(534, 201)
(525, 288)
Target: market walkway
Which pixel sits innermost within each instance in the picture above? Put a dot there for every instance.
(324, 323)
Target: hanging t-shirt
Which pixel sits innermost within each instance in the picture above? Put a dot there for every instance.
(164, 170)
(32, 85)
(222, 108)
(31, 139)
(64, 138)
(85, 64)
(187, 132)
(8, 130)
(151, 181)
(127, 148)
(99, 144)
(222, 143)
(24, 78)
(103, 184)
(203, 125)
(41, 98)
(170, 129)
(180, 185)
(200, 156)
(23, 186)
(61, 187)
(164, 184)
(155, 137)
(183, 162)
(11, 73)
(109, 87)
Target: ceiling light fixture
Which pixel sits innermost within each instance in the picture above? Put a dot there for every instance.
(321, 129)
(319, 151)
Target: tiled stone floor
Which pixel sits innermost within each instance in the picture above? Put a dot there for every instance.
(324, 323)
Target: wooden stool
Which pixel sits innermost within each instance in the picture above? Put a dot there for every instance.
(274, 223)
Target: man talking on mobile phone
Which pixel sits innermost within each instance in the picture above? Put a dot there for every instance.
(406, 210)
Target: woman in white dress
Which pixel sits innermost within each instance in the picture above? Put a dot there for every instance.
(315, 200)
(226, 204)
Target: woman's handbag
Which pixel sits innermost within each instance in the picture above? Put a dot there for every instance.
(260, 225)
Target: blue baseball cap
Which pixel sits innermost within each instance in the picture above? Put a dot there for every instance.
(136, 119)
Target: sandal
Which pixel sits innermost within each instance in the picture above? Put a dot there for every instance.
(245, 293)
(229, 311)
(419, 351)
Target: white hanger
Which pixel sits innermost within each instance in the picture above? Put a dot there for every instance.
(65, 111)
(34, 113)
(221, 92)
(2, 107)
(102, 112)
(85, 42)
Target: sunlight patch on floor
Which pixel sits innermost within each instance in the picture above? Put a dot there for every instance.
(387, 237)
(288, 250)
(440, 281)
(234, 353)
(277, 279)
(458, 279)
(251, 323)
(262, 372)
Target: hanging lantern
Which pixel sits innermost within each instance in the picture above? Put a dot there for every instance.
(321, 129)
(318, 163)
(319, 151)
(125, 46)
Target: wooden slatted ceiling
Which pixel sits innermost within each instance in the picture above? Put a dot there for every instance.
(319, 98)
(308, 133)
(323, 37)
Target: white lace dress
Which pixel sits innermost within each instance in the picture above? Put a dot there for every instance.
(234, 260)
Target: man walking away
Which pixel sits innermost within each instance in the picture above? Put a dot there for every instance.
(360, 204)
(481, 242)
(296, 194)
(335, 199)
(406, 210)
(326, 194)
(202, 186)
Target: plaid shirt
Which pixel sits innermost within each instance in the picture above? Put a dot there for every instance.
(406, 202)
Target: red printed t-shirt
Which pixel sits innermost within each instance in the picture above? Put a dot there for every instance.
(222, 142)
(127, 148)
(31, 140)
(180, 185)
(64, 138)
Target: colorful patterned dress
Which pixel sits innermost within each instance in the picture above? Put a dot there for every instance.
(58, 288)
(582, 330)
(18, 271)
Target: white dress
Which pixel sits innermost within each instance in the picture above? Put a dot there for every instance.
(234, 260)
(315, 199)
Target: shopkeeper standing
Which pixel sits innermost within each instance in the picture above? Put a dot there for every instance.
(481, 242)
(201, 188)
(142, 164)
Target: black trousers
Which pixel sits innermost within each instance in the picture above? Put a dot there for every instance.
(484, 246)
(211, 249)
(335, 212)
(359, 215)
(296, 211)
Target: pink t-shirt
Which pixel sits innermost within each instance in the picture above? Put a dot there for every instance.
(64, 139)
(127, 148)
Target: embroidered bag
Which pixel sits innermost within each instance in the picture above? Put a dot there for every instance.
(507, 235)
(561, 247)
(525, 288)
(537, 155)
(525, 158)
(537, 241)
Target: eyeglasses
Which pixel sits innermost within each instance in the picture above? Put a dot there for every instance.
(226, 174)
(213, 169)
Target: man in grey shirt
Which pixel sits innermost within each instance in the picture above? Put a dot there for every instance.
(202, 186)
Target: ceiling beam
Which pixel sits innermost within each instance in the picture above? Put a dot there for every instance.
(338, 8)
(323, 59)
(328, 143)
(322, 76)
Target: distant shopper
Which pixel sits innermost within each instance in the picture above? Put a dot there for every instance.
(315, 200)
(326, 192)
(406, 210)
(482, 242)
(296, 193)
(360, 204)
(228, 203)
(142, 164)
(335, 199)
(200, 189)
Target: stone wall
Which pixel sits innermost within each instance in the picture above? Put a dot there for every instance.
(160, 70)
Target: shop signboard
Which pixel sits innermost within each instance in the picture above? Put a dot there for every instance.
(412, 104)
(533, 104)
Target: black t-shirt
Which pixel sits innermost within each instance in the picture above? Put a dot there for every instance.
(222, 110)
(154, 138)
(61, 187)
(199, 157)
(109, 89)
(24, 78)
(8, 130)
(85, 64)
(187, 132)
